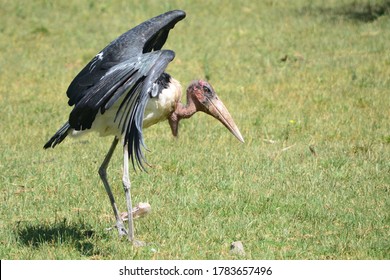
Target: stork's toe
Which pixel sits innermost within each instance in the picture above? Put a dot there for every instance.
(138, 243)
(121, 230)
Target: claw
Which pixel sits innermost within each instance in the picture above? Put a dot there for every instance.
(121, 229)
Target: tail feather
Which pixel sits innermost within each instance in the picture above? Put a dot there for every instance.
(58, 136)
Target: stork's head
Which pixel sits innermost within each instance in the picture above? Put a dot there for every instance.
(202, 97)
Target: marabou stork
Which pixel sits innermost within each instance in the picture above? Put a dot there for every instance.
(124, 89)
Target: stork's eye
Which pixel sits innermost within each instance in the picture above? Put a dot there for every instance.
(206, 89)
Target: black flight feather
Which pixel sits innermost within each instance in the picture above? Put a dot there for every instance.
(130, 66)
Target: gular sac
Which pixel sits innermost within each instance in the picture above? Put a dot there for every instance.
(173, 120)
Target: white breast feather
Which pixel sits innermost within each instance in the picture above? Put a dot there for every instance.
(159, 108)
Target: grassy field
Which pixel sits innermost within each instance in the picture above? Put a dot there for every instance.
(307, 82)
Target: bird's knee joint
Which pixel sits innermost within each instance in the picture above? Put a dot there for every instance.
(126, 185)
(102, 172)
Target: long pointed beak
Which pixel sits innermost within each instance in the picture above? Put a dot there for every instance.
(218, 110)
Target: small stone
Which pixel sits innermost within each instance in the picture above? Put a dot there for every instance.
(237, 248)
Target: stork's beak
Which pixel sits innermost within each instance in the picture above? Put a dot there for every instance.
(217, 109)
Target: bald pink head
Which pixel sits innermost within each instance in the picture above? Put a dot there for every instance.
(202, 97)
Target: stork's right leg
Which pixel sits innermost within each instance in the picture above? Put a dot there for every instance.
(103, 175)
(127, 186)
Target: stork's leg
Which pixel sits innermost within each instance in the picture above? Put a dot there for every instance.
(127, 187)
(103, 175)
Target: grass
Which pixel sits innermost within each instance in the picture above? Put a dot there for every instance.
(307, 83)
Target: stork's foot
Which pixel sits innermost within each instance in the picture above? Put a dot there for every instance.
(121, 229)
(142, 209)
(138, 243)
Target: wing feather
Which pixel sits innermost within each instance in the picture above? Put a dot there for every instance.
(134, 80)
(146, 37)
(129, 66)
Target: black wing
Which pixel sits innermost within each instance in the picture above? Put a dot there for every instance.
(146, 37)
(128, 66)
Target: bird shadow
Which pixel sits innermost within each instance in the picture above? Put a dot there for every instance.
(77, 235)
(357, 10)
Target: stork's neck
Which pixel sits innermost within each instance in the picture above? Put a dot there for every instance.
(185, 111)
(181, 112)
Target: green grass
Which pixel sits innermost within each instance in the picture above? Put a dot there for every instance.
(307, 82)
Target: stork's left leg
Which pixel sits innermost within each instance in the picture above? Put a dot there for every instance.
(103, 175)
